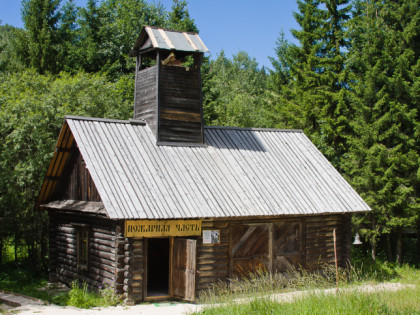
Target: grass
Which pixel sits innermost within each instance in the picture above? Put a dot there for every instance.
(263, 286)
(21, 278)
(405, 301)
(80, 296)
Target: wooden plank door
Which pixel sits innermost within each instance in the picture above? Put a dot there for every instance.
(183, 268)
(288, 246)
(250, 249)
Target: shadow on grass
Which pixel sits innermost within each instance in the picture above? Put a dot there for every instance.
(22, 278)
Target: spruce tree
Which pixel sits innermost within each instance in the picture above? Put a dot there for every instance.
(383, 163)
(40, 18)
(285, 111)
(179, 18)
(67, 34)
(291, 97)
(315, 97)
(335, 112)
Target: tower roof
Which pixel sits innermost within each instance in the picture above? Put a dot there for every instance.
(158, 38)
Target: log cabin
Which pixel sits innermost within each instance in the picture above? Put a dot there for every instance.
(161, 206)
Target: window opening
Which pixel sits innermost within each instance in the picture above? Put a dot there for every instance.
(82, 248)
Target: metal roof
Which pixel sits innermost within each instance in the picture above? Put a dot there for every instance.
(240, 172)
(154, 37)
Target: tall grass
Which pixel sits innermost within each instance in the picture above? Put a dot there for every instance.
(80, 296)
(401, 302)
(259, 298)
(261, 284)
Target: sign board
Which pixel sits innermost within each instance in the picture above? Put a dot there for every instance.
(157, 228)
(211, 237)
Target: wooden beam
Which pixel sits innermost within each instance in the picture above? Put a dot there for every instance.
(60, 149)
(190, 41)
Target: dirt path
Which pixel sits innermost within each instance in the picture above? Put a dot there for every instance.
(183, 308)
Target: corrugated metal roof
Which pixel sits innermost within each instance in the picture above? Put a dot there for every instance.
(168, 39)
(240, 172)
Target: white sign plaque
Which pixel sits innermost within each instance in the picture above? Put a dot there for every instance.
(211, 236)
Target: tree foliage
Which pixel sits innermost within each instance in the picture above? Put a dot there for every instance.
(41, 22)
(32, 110)
(179, 18)
(235, 94)
(351, 83)
(59, 36)
(383, 159)
(311, 76)
(67, 60)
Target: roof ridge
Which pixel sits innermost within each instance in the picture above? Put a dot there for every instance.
(254, 129)
(170, 30)
(107, 120)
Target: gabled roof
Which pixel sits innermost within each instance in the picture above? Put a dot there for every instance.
(159, 38)
(239, 172)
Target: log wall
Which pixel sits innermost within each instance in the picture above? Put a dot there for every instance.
(145, 106)
(180, 110)
(119, 262)
(212, 260)
(170, 102)
(319, 240)
(312, 249)
(106, 251)
(133, 269)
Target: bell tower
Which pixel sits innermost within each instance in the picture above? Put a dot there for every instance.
(168, 85)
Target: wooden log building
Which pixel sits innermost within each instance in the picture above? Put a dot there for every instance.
(161, 206)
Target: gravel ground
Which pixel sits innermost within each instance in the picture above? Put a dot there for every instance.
(181, 308)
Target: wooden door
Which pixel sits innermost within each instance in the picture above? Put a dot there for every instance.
(250, 249)
(288, 250)
(183, 269)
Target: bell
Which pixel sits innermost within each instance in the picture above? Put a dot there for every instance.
(357, 240)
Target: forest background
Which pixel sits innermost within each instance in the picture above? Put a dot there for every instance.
(351, 83)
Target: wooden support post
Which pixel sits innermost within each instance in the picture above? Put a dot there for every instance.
(158, 93)
(171, 261)
(335, 258)
(270, 250)
(230, 252)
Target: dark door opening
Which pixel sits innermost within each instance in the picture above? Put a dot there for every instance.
(157, 267)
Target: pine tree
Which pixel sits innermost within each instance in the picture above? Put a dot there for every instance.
(384, 153)
(315, 97)
(289, 98)
(90, 37)
(285, 111)
(40, 18)
(335, 111)
(67, 34)
(179, 18)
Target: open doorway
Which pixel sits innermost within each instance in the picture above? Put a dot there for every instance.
(157, 267)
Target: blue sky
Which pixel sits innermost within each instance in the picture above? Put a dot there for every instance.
(232, 25)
